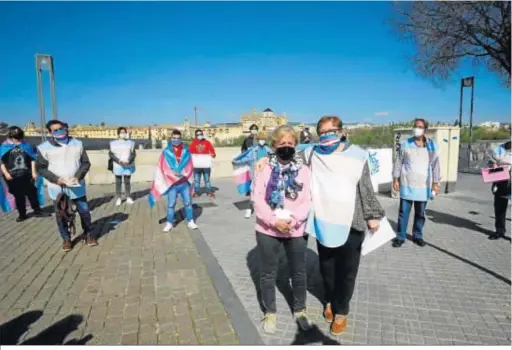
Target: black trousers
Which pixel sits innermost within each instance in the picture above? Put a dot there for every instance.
(500, 214)
(127, 185)
(339, 267)
(296, 253)
(21, 187)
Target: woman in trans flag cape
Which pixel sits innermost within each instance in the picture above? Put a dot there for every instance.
(169, 172)
(7, 203)
(243, 166)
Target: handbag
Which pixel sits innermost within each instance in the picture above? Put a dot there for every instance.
(110, 165)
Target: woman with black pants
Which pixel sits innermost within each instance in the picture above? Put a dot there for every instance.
(501, 156)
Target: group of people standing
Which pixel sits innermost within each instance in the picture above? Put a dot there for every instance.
(324, 191)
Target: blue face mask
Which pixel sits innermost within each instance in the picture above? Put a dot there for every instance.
(176, 142)
(60, 135)
(329, 143)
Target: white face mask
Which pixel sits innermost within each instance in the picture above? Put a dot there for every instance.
(254, 132)
(200, 137)
(418, 132)
(261, 142)
(123, 135)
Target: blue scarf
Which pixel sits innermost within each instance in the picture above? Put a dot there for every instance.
(283, 182)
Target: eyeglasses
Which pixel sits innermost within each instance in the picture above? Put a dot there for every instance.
(329, 132)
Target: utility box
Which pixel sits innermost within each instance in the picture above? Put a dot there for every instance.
(447, 139)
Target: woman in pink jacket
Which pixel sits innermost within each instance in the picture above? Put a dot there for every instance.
(282, 199)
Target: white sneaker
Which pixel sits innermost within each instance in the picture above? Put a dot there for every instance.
(168, 227)
(118, 202)
(129, 200)
(248, 213)
(192, 225)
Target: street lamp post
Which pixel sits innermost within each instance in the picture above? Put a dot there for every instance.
(45, 63)
(467, 82)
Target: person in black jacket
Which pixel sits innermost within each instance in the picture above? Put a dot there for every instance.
(251, 139)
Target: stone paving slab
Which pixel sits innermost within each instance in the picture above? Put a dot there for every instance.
(454, 291)
(139, 286)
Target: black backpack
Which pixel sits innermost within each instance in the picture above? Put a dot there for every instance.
(66, 212)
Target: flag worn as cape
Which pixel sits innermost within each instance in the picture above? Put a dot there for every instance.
(168, 172)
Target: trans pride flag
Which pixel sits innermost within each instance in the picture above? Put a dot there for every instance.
(242, 175)
(168, 172)
(7, 203)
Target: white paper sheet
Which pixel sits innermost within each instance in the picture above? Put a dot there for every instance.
(372, 241)
(202, 161)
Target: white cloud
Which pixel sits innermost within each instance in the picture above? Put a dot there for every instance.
(381, 114)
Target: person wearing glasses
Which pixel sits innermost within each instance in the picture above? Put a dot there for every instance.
(343, 207)
(63, 162)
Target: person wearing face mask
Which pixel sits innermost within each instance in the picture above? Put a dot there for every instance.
(282, 200)
(343, 207)
(250, 140)
(18, 165)
(501, 157)
(202, 152)
(416, 176)
(63, 162)
(122, 156)
(173, 176)
(244, 167)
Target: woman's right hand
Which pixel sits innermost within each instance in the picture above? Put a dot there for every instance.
(261, 164)
(283, 225)
(8, 176)
(396, 185)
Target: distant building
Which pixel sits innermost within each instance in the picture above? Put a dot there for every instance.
(490, 125)
(267, 120)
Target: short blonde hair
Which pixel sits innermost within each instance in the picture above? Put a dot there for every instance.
(262, 135)
(280, 132)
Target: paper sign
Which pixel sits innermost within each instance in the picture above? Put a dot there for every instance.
(202, 161)
(372, 241)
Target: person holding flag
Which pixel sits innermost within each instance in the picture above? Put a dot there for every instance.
(173, 176)
(244, 167)
(18, 165)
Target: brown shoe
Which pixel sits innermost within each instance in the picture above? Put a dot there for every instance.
(195, 195)
(339, 324)
(328, 316)
(67, 246)
(91, 241)
(211, 195)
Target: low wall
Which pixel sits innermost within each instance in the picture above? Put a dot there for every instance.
(145, 164)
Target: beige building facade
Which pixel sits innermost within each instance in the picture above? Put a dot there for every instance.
(267, 120)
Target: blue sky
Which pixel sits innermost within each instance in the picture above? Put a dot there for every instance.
(145, 63)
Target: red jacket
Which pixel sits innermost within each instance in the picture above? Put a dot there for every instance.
(201, 147)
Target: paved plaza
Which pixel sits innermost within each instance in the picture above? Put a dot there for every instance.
(141, 286)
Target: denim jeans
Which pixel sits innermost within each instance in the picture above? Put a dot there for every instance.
(197, 179)
(296, 253)
(85, 217)
(182, 189)
(403, 218)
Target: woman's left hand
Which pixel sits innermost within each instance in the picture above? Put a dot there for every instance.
(34, 176)
(373, 225)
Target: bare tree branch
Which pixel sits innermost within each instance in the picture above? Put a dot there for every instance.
(446, 33)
